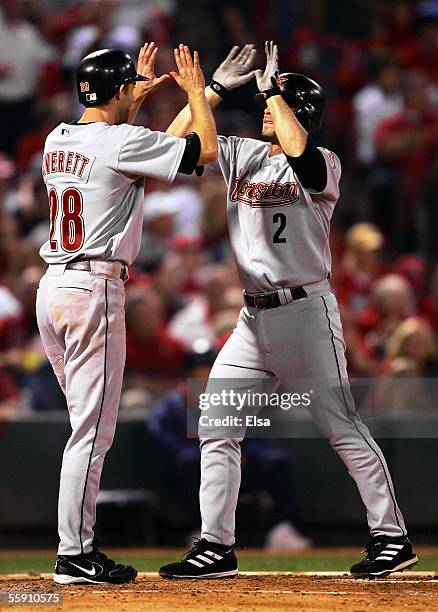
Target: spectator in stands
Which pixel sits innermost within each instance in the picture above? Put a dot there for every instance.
(33, 369)
(415, 340)
(420, 52)
(392, 301)
(218, 286)
(394, 26)
(159, 226)
(10, 354)
(361, 362)
(224, 321)
(415, 270)
(306, 48)
(214, 224)
(9, 239)
(409, 376)
(94, 31)
(190, 258)
(22, 53)
(399, 390)
(378, 100)
(27, 205)
(49, 113)
(166, 277)
(151, 351)
(429, 302)
(361, 265)
(24, 357)
(407, 143)
(329, 57)
(264, 468)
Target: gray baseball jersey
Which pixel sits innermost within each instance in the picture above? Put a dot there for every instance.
(94, 174)
(279, 231)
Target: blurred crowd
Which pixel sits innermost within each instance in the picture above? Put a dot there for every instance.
(377, 60)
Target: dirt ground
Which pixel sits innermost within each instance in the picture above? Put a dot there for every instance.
(244, 593)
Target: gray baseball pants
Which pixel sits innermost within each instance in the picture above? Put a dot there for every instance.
(299, 340)
(81, 319)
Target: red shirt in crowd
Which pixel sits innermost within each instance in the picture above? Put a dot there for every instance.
(162, 355)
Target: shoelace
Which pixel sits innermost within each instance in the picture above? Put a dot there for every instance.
(197, 544)
(100, 556)
(374, 546)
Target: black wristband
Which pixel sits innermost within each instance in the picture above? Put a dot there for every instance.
(264, 95)
(219, 89)
(274, 91)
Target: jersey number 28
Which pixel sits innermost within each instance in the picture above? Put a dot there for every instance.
(71, 220)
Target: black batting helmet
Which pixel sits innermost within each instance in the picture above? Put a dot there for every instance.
(305, 96)
(100, 74)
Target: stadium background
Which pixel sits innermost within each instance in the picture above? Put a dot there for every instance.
(377, 61)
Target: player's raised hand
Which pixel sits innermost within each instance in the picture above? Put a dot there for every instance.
(264, 77)
(146, 67)
(235, 70)
(189, 75)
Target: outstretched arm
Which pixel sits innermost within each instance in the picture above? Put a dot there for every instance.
(290, 133)
(303, 156)
(191, 80)
(233, 72)
(182, 124)
(145, 67)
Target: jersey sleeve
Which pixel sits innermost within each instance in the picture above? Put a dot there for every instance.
(223, 163)
(154, 154)
(331, 191)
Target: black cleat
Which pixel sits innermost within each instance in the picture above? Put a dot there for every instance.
(94, 567)
(204, 560)
(384, 556)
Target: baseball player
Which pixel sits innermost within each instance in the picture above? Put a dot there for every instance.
(282, 190)
(95, 170)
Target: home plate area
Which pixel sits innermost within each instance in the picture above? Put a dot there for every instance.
(249, 591)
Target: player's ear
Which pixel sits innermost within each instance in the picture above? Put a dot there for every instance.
(125, 88)
(122, 91)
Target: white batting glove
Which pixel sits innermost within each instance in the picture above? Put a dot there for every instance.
(264, 77)
(235, 69)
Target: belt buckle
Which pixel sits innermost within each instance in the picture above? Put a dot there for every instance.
(258, 301)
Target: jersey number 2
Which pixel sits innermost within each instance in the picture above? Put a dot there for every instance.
(279, 218)
(72, 222)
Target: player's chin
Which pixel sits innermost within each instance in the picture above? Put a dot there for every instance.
(269, 135)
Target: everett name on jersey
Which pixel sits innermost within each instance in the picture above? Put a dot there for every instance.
(279, 230)
(94, 174)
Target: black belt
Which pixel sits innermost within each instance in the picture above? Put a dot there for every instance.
(85, 266)
(262, 301)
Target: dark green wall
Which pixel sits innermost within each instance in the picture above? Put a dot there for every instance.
(31, 452)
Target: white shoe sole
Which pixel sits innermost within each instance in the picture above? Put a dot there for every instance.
(230, 574)
(66, 579)
(399, 568)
